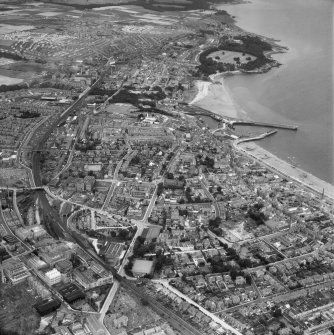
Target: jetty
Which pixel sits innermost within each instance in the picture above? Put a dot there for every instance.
(262, 124)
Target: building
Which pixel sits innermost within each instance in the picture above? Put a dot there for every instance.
(64, 266)
(80, 185)
(52, 277)
(89, 182)
(55, 252)
(93, 167)
(113, 253)
(88, 279)
(70, 292)
(35, 262)
(16, 271)
(47, 306)
(32, 232)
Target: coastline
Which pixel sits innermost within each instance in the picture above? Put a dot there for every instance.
(214, 97)
(208, 98)
(303, 178)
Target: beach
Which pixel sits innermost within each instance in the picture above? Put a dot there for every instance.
(276, 164)
(214, 97)
(4, 80)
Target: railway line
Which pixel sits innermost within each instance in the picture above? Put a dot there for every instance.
(58, 229)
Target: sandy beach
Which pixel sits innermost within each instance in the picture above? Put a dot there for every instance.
(4, 80)
(214, 97)
(304, 178)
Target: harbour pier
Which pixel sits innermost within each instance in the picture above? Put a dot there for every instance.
(262, 124)
(257, 138)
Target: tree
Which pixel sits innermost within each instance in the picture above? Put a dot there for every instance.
(160, 189)
(215, 223)
(277, 313)
(169, 175)
(135, 160)
(144, 302)
(231, 252)
(233, 274)
(248, 279)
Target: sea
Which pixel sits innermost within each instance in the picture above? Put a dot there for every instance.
(301, 90)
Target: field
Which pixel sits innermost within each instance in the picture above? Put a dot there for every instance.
(13, 177)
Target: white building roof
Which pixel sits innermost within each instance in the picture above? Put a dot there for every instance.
(54, 273)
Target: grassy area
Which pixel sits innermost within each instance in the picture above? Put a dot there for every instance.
(139, 316)
(16, 311)
(222, 56)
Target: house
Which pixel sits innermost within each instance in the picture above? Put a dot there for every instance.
(240, 280)
(80, 185)
(89, 182)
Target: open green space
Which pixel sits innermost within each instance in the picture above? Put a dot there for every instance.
(16, 312)
(222, 56)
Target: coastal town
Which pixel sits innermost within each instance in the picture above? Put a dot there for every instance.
(130, 208)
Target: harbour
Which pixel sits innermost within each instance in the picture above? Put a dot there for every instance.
(298, 92)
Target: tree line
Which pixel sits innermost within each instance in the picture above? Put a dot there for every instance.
(252, 45)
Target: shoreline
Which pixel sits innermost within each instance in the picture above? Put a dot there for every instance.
(278, 165)
(265, 157)
(214, 97)
(274, 163)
